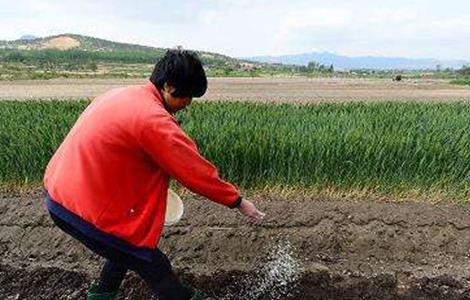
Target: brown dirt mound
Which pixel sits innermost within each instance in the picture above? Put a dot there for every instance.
(306, 249)
(61, 43)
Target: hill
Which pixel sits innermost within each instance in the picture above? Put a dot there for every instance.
(71, 41)
(73, 55)
(92, 44)
(79, 56)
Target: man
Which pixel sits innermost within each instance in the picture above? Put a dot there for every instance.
(107, 183)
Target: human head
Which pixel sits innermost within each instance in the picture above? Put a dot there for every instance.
(179, 76)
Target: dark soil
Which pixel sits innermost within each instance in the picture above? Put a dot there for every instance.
(305, 249)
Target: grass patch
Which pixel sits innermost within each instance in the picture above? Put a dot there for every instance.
(461, 81)
(417, 149)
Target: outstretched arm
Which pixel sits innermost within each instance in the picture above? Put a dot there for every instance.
(173, 151)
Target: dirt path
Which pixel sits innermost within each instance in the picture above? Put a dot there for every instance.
(306, 249)
(257, 89)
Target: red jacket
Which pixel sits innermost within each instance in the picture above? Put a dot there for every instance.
(113, 167)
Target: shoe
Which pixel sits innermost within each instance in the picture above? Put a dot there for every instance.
(198, 296)
(93, 294)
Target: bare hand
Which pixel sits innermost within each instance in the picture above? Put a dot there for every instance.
(249, 209)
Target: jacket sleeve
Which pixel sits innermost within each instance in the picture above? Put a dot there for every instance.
(177, 155)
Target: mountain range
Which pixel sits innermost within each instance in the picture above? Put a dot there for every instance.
(361, 62)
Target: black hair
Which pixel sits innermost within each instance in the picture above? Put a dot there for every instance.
(181, 69)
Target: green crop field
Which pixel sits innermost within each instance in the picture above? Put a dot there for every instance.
(387, 148)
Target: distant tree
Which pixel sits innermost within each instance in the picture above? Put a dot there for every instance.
(92, 66)
(465, 70)
(15, 56)
(313, 66)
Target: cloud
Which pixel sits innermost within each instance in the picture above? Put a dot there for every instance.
(253, 27)
(373, 31)
(312, 22)
(209, 17)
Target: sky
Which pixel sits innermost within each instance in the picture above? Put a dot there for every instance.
(242, 28)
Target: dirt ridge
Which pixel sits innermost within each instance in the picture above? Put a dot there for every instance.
(337, 249)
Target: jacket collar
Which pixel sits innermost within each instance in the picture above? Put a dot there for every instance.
(157, 94)
(149, 86)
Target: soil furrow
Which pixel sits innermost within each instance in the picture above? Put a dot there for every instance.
(313, 247)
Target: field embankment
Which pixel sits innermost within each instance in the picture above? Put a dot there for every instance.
(307, 248)
(283, 89)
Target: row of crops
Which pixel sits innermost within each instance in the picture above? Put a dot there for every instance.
(383, 147)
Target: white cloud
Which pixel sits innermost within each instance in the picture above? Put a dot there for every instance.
(312, 21)
(252, 27)
(209, 17)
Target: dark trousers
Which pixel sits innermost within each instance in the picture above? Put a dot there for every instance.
(158, 273)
